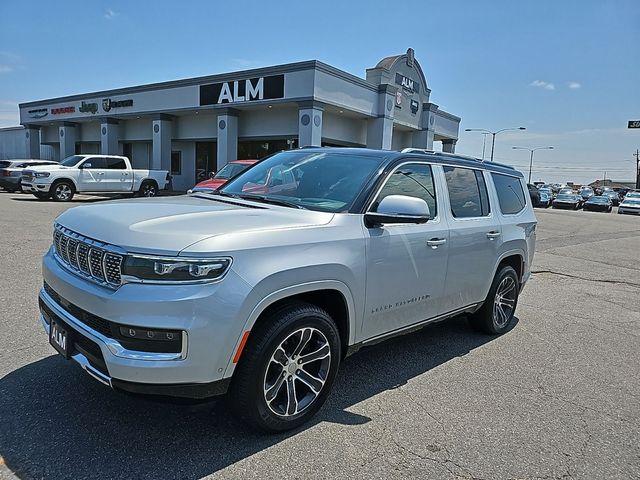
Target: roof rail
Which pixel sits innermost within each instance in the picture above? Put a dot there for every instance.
(433, 152)
(416, 150)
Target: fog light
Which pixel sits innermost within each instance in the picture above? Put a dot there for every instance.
(146, 334)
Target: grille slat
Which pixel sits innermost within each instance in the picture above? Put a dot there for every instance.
(112, 264)
(83, 258)
(95, 260)
(87, 259)
(72, 246)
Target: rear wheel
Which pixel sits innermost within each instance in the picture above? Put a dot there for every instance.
(148, 189)
(496, 314)
(62, 191)
(287, 369)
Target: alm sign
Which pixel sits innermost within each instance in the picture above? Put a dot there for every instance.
(247, 90)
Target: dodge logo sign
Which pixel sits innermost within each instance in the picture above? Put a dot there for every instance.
(261, 88)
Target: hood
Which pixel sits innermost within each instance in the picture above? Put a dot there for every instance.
(167, 225)
(46, 168)
(212, 183)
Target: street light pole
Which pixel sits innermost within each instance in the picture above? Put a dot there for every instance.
(531, 150)
(484, 142)
(493, 136)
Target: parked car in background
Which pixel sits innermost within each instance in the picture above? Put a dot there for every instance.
(263, 296)
(565, 191)
(630, 204)
(586, 193)
(598, 203)
(230, 170)
(11, 172)
(568, 200)
(545, 199)
(91, 174)
(548, 190)
(615, 198)
(534, 194)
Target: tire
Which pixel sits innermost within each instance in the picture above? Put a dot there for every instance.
(41, 196)
(265, 378)
(488, 318)
(62, 191)
(149, 188)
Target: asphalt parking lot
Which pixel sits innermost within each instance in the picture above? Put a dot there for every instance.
(556, 397)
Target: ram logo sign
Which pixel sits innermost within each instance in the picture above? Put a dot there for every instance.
(247, 90)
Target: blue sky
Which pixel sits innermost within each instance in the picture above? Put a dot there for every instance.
(568, 71)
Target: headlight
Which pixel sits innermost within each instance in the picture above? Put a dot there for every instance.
(41, 174)
(151, 269)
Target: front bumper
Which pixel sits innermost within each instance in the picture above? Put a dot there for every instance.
(207, 314)
(35, 187)
(630, 211)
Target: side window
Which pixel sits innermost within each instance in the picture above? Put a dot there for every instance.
(467, 192)
(510, 194)
(412, 180)
(116, 164)
(94, 163)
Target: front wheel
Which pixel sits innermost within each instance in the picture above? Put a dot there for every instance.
(496, 314)
(62, 191)
(287, 368)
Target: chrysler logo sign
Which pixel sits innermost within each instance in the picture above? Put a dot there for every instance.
(38, 113)
(250, 89)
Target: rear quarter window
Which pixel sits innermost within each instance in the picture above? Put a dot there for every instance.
(510, 193)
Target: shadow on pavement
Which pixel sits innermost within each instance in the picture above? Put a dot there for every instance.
(59, 423)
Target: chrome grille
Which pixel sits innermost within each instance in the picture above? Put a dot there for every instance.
(89, 258)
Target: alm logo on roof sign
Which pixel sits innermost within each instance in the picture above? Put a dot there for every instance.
(250, 89)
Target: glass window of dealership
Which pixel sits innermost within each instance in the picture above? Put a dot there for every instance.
(194, 126)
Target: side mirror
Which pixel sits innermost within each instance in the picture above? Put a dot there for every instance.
(398, 209)
(85, 165)
(212, 174)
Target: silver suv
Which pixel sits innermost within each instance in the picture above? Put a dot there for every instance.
(260, 290)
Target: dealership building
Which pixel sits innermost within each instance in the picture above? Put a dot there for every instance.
(193, 126)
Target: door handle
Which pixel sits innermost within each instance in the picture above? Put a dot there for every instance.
(125, 173)
(492, 235)
(100, 173)
(434, 242)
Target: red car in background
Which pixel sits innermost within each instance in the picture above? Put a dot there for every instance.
(230, 170)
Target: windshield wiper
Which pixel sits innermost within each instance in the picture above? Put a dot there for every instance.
(271, 200)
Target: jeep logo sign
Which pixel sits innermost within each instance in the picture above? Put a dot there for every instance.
(250, 89)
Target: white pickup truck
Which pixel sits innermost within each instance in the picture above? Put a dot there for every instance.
(95, 174)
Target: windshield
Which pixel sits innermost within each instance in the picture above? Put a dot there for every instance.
(632, 201)
(598, 200)
(72, 161)
(566, 197)
(323, 181)
(230, 170)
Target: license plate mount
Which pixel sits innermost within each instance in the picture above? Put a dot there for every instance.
(60, 337)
